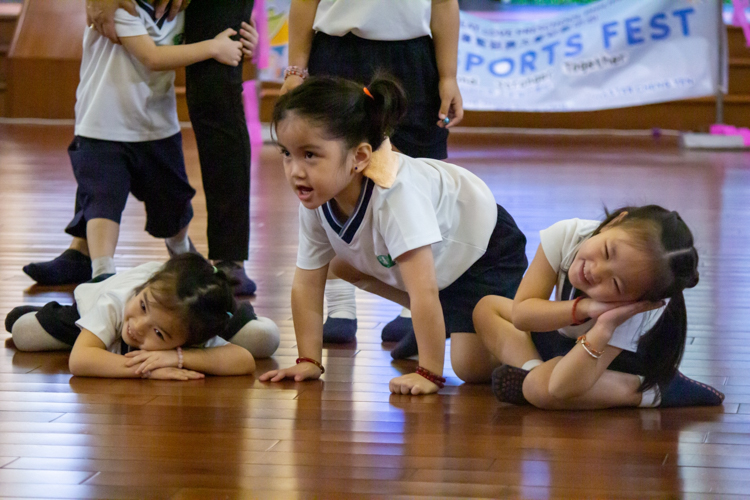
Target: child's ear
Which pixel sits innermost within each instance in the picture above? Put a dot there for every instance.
(362, 156)
(615, 221)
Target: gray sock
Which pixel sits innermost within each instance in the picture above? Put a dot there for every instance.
(28, 335)
(260, 336)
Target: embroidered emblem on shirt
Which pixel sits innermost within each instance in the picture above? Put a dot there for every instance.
(386, 261)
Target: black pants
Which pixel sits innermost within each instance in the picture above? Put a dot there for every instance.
(214, 96)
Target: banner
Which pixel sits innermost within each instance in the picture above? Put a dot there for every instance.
(608, 54)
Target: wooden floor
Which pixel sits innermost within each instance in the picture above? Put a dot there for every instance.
(346, 436)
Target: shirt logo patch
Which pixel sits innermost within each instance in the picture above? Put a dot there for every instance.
(178, 39)
(386, 261)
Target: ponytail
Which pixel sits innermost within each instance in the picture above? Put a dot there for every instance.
(665, 234)
(661, 348)
(345, 109)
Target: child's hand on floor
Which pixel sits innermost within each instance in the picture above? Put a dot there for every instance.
(152, 360)
(172, 373)
(226, 50)
(299, 372)
(249, 38)
(412, 384)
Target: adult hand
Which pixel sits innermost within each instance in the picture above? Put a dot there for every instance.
(412, 384)
(290, 83)
(172, 373)
(176, 8)
(619, 315)
(451, 103)
(101, 15)
(226, 50)
(249, 38)
(152, 360)
(298, 372)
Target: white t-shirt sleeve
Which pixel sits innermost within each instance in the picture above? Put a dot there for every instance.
(315, 250)
(214, 342)
(104, 319)
(407, 221)
(128, 25)
(558, 239)
(627, 335)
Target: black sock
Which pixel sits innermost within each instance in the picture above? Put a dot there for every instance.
(69, 268)
(16, 313)
(406, 347)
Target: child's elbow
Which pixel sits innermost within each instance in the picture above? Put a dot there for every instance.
(249, 364)
(75, 364)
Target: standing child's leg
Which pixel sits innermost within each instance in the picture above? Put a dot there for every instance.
(73, 266)
(102, 236)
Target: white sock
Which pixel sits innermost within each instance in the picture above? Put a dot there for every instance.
(178, 244)
(405, 313)
(650, 398)
(103, 265)
(340, 298)
(531, 364)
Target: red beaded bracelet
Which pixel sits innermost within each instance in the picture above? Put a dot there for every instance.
(297, 71)
(435, 379)
(310, 360)
(573, 313)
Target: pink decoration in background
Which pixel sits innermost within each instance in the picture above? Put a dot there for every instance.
(261, 23)
(739, 18)
(721, 129)
(250, 88)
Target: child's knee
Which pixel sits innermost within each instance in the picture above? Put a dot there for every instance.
(29, 335)
(536, 390)
(260, 336)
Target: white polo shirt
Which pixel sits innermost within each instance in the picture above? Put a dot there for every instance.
(102, 305)
(118, 98)
(374, 19)
(430, 203)
(560, 243)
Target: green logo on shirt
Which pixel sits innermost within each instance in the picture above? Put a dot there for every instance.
(386, 261)
(178, 39)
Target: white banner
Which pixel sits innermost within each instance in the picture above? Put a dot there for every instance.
(608, 54)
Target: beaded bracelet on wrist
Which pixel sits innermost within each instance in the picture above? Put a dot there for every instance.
(432, 377)
(180, 359)
(592, 352)
(310, 360)
(297, 71)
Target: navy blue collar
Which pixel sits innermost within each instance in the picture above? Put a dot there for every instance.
(152, 12)
(347, 230)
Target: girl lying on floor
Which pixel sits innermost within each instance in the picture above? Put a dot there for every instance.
(175, 321)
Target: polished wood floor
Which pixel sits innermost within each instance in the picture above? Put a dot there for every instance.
(346, 436)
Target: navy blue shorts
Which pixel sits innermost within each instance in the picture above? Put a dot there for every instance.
(498, 272)
(412, 62)
(154, 171)
(552, 344)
